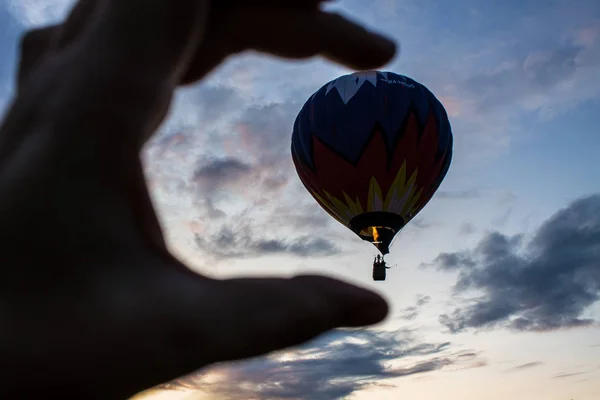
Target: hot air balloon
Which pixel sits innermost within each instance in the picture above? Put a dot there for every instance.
(372, 148)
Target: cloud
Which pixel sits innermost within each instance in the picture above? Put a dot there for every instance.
(544, 284)
(254, 183)
(423, 299)
(458, 194)
(546, 79)
(301, 215)
(452, 261)
(252, 192)
(528, 78)
(265, 129)
(419, 223)
(567, 375)
(528, 365)
(330, 367)
(412, 312)
(220, 177)
(467, 228)
(233, 177)
(221, 172)
(38, 12)
(228, 141)
(532, 63)
(241, 241)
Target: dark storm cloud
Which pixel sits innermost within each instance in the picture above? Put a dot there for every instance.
(545, 284)
(240, 241)
(332, 367)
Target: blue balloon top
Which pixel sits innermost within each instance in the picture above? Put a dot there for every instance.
(343, 112)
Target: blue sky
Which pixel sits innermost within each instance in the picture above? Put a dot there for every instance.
(496, 291)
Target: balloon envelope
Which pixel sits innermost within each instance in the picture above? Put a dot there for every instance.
(372, 148)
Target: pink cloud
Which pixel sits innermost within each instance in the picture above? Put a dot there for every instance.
(588, 36)
(452, 105)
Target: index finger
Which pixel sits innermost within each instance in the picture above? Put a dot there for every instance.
(303, 34)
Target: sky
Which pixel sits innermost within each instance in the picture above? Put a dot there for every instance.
(495, 287)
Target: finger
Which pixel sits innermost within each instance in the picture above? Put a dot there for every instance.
(280, 4)
(80, 16)
(309, 33)
(34, 45)
(350, 44)
(289, 4)
(369, 307)
(239, 318)
(218, 45)
(302, 31)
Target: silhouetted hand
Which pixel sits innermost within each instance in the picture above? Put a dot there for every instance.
(92, 304)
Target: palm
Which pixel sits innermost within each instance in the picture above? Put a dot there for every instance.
(94, 294)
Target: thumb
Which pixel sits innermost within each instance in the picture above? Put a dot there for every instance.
(215, 321)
